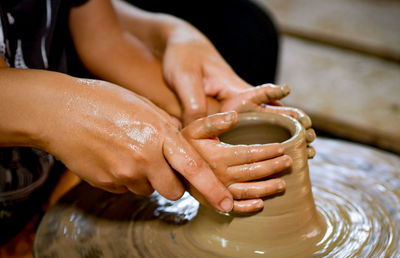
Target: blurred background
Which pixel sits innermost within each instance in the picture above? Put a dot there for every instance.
(342, 60)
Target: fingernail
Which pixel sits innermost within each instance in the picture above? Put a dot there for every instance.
(288, 161)
(230, 116)
(259, 204)
(305, 121)
(285, 90)
(310, 135)
(280, 186)
(311, 152)
(226, 205)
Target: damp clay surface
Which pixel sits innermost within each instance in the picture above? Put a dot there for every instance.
(356, 213)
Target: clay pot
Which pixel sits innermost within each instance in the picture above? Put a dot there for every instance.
(289, 224)
(23, 175)
(90, 221)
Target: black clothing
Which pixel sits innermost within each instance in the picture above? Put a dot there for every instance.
(33, 33)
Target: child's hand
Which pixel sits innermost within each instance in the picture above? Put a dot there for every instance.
(242, 168)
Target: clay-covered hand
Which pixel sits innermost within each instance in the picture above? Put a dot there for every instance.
(265, 98)
(118, 141)
(244, 169)
(190, 63)
(195, 70)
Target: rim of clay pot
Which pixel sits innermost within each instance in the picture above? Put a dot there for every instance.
(287, 122)
(45, 161)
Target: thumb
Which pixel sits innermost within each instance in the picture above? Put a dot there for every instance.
(267, 93)
(211, 126)
(189, 89)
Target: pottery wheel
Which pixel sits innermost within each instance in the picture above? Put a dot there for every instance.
(356, 188)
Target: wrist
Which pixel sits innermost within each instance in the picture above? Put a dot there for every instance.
(27, 100)
(17, 126)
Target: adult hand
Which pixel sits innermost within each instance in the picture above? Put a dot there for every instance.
(190, 63)
(107, 135)
(195, 70)
(243, 169)
(197, 73)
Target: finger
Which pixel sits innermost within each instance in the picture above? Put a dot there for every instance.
(140, 187)
(257, 189)
(311, 152)
(118, 189)
(166, 182)
(190, 92)
(176, 122)
(290, 111)
(107, 183)
(167, 101)
(275, 103)
(213, 106)
(197, 195)
(244, 154)
(310, 135)
(247, 206)
(267, 93)
(211, 126)
(239, 206)
(185, 160)
(259, 170)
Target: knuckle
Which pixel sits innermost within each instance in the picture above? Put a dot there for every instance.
(250, 154)
(105, 183)
(144, 191)
(238, 192)
(192, 167)
(250, 173)
(123, 173)
(238, 175)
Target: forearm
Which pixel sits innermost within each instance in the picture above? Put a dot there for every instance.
(25, 96)
(114, 55)
(153, 29)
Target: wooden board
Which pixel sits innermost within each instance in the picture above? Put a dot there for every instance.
(346, 93)
(371, 26)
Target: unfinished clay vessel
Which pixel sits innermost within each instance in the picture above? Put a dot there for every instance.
(289, 224)
(356, 214)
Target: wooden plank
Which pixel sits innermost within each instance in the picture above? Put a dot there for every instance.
(346, 93)
(370, 26)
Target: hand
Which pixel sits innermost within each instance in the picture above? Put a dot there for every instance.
(118, 141)
(257, 99)
(197, 72)
(190, 63)
(238, 166)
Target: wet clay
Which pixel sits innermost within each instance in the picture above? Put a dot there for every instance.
(357, 211)
(289, 224)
